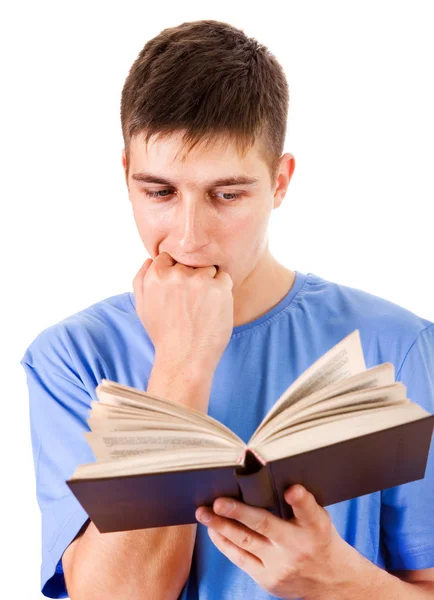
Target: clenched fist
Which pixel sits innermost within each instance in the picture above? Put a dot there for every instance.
(186, 311)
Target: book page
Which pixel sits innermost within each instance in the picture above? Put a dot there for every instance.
(118, 395)
(115, 445)
(163, 461)
(315, 422)
(100, 425)
(342, 405)
(344, 360)
(100, 410)
(107, 411)
(324, 434)
(375, 377)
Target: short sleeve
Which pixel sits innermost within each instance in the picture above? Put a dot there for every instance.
(407, 511)
(58, 408)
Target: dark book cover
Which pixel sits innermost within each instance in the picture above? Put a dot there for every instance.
(334, 473)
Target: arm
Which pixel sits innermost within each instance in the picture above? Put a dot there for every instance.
(146, 563)
(304, 557)
(363, 579)
(424, 578)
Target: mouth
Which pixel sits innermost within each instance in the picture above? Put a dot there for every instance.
(201, 266)
(196, 266)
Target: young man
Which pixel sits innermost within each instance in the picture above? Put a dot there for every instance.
(209, 309)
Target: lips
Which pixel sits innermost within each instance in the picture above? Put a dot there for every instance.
(200, 266)
(196, 266)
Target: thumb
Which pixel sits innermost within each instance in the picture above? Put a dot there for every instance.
(303, 503)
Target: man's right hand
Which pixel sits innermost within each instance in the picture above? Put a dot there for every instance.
(186, 311)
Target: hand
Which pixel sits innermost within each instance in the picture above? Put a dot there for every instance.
(186, 311)
(299, 558)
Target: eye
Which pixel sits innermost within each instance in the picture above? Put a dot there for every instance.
(155, 194)
(166, 192)
(234, 196)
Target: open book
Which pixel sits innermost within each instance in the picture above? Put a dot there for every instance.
(341, 430)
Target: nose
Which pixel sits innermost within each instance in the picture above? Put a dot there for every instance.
(193, 220)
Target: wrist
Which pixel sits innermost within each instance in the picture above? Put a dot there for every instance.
(359, 579)
(194, 372)
(188, 384)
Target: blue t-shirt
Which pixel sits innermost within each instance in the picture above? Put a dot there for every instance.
(394, 529)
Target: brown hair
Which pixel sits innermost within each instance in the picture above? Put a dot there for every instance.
(211, 80)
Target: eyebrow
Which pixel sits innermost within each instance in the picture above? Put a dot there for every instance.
(222, 182)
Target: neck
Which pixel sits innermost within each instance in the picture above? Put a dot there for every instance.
(265, 286)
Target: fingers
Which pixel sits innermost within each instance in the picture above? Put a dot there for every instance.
(145, 266)
(257, 519)
(165, 260)
(138, 281)
(204, 271)
(307, 511)
(224, 276)
(239, 543)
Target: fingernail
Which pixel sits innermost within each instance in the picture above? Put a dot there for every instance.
(204, 516)
(298, 492)
(224, 507)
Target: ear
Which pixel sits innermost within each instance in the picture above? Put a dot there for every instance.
(124, 165)
(286, 169)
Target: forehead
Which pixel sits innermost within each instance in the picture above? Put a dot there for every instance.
(217, 156)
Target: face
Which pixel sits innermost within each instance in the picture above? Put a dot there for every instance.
(199, 222)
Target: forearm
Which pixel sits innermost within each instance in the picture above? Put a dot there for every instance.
(376, 583)
(186, 383)
(146, 563)
(358, 579)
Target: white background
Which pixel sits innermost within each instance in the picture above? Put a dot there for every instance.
(358, 209)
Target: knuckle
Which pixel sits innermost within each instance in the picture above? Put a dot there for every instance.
(227, 279)
(290, 572)
(323, 529)
(239, 559)
(263, 525)
(150, 276)
(196, 280)
(304, 556)
(177, 276)
(287, 573)
(324, 526)
(216, 290)
(246, 540)
(156, 272)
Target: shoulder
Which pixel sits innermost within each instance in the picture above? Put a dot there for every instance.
(78, 336)
(387, 330)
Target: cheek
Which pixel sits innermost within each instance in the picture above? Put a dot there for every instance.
(246, 232)
(150, 227)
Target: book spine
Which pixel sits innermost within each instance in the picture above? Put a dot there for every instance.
(255, 483)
